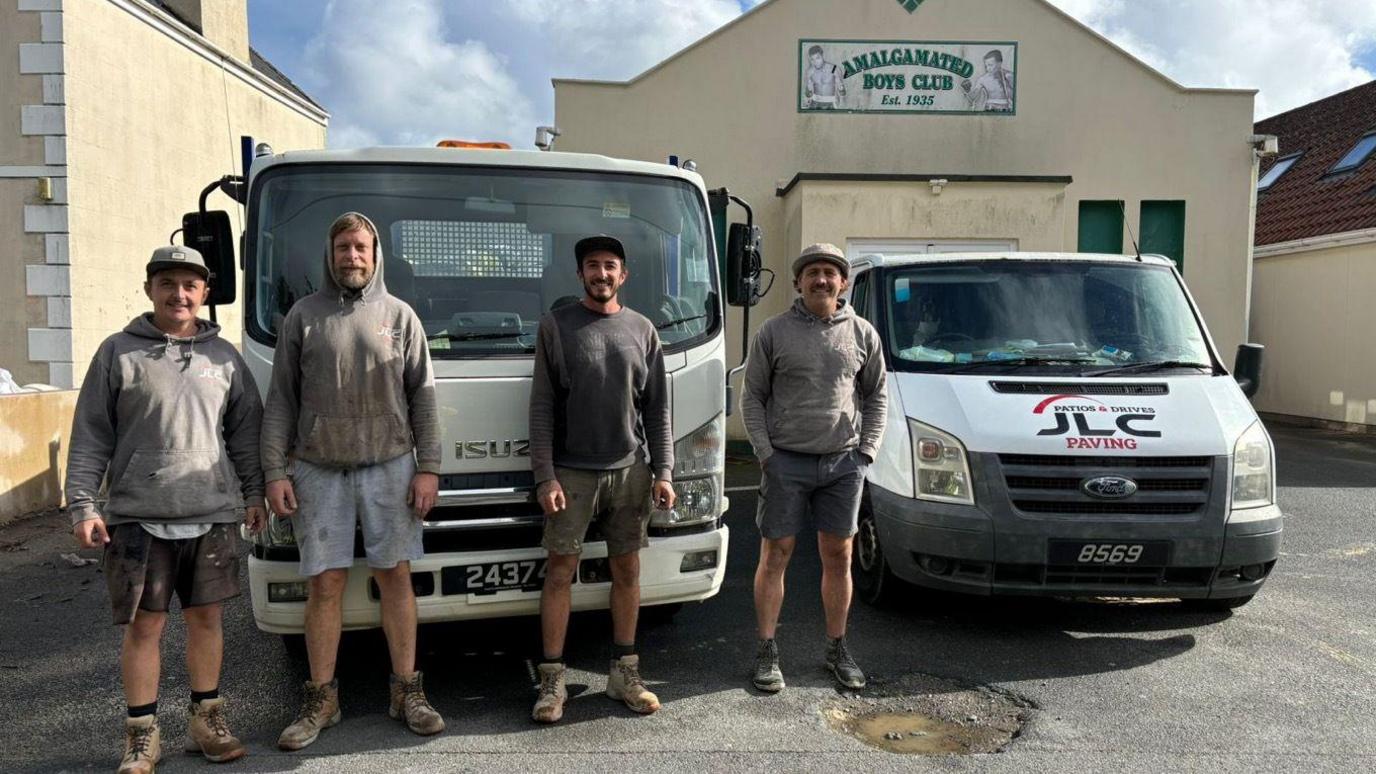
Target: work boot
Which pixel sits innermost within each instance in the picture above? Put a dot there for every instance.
(549, 705)
(624, 684)
(319, 711)
(409, 704)
(841, 664)
(142, 745)
(768, 677)
(207, 732)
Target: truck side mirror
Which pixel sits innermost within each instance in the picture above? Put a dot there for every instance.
(742, 264)
(1247, 368)
(210, 233)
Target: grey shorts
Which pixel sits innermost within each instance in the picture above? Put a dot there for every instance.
(142, 572)
(330, 502)
(822, 489)
(618, 499)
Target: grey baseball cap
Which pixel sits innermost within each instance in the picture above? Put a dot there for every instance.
(822, 251)
(177, 257)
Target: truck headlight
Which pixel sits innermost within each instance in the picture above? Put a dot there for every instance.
(699, 459)
(941, 466)
(1253, 480)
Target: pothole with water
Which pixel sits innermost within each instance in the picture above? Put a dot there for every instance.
(925, 715)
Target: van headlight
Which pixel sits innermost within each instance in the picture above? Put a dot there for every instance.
(941, 466)
(1254, 483)
(699, 459)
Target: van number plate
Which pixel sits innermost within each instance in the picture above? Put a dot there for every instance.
(491, 577)
(1153, 553)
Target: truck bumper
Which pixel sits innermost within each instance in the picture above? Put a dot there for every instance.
(661, 583)
(966, 549)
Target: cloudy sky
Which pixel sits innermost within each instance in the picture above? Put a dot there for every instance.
(406, 72)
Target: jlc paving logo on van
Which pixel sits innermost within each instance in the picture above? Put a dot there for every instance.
(1088, 423)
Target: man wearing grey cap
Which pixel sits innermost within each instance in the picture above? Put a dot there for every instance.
(168, 415)
(814, 406)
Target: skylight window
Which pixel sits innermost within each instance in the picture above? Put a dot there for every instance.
(1273, 174)
(1357, 155)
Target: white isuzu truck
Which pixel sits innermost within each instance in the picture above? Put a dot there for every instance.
(1061, 424)
(480, 243)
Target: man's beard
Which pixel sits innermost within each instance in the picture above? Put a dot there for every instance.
(354, 279)
(599, 291)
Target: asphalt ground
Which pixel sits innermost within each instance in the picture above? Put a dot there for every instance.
(1283, 684)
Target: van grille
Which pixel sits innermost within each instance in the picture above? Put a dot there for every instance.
(1051, 485)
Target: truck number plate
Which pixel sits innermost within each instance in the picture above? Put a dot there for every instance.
(1109, 552)
(491, 577)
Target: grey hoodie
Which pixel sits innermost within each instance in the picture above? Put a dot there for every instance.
(173, 423)
(815, 385)
(351, 381)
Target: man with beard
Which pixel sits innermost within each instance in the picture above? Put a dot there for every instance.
(353, 402)
(599, 402)
(814, 405)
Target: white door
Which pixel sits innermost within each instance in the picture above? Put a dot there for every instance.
(855, 248)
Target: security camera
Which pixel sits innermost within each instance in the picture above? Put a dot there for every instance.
(544, 137)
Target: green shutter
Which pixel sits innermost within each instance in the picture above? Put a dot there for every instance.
(1163, 230)
(1101, 227)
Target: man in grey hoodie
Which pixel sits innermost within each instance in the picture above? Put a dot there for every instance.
(168, 414)
(814, 405)
(352, 402)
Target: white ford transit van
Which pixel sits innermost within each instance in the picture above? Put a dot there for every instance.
(1061, 424)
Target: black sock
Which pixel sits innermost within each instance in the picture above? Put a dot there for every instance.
(619, 650)
(559, 659)
(213, 693)
(143, 710)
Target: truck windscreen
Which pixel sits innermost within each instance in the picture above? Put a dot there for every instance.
(1056, 317)
(481, 253)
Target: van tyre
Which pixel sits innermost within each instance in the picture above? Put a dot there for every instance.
(874, 583)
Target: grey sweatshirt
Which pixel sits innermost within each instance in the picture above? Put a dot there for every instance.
(172, 422)
(351, 381)
(814, 385)
(599, 397)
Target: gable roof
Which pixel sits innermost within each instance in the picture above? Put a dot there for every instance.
(256, 60)
(1307, 201)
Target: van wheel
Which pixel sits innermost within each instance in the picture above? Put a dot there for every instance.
(1217, 605)
(873, 581)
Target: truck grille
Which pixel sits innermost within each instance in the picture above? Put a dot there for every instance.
(1050, 484)
(1079, 388)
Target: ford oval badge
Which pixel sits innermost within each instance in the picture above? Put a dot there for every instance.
(1109, 487)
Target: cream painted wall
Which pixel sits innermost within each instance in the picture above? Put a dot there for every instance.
(1085, 109)
(150, 123)
(1313, 312)
(1032, 213)
(17, 248)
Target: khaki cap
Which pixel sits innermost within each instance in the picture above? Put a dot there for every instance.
(822, 251)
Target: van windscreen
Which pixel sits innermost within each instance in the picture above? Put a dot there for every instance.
(1058, 317)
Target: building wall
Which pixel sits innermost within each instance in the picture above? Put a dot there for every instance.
(35, 430)
(1313, 312)
(1085, 109)
(154, 114)
(30, 151)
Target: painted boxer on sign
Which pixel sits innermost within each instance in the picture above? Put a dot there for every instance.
(822, 83)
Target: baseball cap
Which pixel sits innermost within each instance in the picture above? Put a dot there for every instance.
(822, 251)
(593, 244)
(177, 257)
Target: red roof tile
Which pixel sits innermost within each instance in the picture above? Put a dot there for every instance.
(1307, 201)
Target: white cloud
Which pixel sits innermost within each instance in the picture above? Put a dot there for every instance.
(618, 39)
(1294, 52)
(393, 74)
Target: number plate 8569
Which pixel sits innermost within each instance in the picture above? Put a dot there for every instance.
(1109, 552)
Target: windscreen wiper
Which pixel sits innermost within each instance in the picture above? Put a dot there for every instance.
(1150, 365)
(679, 321)
(1019, 361)
(476, 336)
